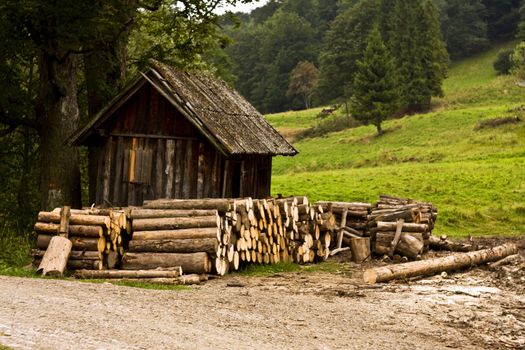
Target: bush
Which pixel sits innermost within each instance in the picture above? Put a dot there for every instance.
(503, 64)
(329, 125)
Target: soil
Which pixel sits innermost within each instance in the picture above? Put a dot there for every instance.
(480, 308)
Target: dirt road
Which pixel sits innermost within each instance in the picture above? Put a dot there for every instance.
(474, 310)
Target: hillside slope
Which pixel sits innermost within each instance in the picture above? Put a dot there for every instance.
(475, 176)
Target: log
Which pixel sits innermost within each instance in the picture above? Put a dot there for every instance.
(190, 263)
(427, 267)
(360, 249)
(74, 230)
(79, 243)
(54, 261)
(438, 243)
(139, 213)
(111, 274)
(397, 237)
(407, 227)
(75, 219)
(220, 204)
(182, 280)
(78, 264)
(176, 223)
(409, 215)
(74, 255)
(410, 244)
(191, 245)
(197, 233)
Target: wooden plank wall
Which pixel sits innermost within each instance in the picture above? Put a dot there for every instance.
(134, 169)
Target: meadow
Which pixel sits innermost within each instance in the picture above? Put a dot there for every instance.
(476, 176)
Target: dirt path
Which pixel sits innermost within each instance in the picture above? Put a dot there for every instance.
(285, 311)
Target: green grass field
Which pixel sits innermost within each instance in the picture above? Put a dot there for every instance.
(475, 177)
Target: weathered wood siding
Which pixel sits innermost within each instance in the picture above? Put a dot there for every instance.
(149, 150)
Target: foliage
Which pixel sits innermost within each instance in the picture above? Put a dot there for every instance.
(375, 86)
(502, 17)
(302, 82)
(475, 177)
(518, 61)
(502, 64)
(464, 28)
(344, 44)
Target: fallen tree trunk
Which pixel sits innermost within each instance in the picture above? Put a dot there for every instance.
(191, 245)
(111, 274)
(427, 267)
(206, 232)
(175, 223)
(407, 227)
(190, 263)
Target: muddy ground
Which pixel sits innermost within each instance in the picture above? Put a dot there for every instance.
(477, 309)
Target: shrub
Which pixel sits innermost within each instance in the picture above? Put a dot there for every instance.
(503, 64)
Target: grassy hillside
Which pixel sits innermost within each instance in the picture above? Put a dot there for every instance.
(475, 176)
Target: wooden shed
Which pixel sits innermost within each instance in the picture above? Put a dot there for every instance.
(175, 134)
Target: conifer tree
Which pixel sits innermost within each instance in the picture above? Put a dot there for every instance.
(375, 90)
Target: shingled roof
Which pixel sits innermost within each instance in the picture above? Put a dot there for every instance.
(224, 117)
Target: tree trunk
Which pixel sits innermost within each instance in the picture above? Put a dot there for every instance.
(175, 223)
(193, 233)
(428, 267)
(59, 117)
(379, 129)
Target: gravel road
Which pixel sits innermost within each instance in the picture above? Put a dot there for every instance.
(283, 311)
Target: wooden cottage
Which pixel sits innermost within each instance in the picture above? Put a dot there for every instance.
(175, 134)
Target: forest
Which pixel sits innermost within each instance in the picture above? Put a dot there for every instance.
(62, 61)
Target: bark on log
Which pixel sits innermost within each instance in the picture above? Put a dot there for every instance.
(92, 220)
(197, 233)
(182, 280)
(407, 227)
(220, 204)
(190, 263)
(192, 245)
(437, 243)
(54, 260)
(78, 264)
(79, 243)
(428, 267)
(74, 230)
(74, 255)
(139, 213)
(176, 223)
(111, 274)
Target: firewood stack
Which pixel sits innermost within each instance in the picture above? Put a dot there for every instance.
(219, 235)
(177, 232)
(98, 237)
(413, 222)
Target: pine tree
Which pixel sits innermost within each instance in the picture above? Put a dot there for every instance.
(375, 90)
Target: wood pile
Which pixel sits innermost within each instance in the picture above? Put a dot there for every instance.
(218, 235)
(98, 237)
(401, 228)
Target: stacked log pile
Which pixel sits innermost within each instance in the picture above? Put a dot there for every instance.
(401, 228)
(98, 237)
(204, 235)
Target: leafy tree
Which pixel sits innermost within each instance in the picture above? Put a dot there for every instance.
(375, 88)
(503, 64)
(518, 62)
(302, 82)
(344, 44)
